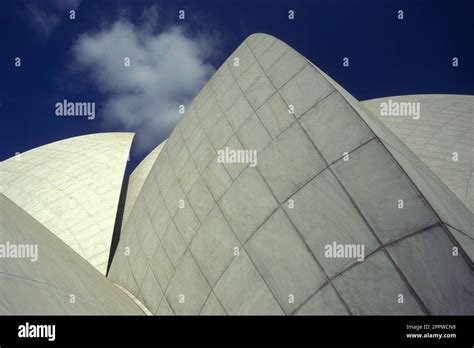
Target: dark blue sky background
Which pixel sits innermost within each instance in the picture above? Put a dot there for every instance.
(387, 56)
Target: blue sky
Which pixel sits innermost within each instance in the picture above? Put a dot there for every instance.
(78, 59)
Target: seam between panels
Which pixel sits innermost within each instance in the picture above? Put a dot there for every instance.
(275, 40)
(412, 184)
(274, 197)
(233, 180)
(215, 200)
(159, 285)
(255, 112)
(407, 236)
(273, 194)
(130, 265)
(122, 228)
(156, 235)
(58, 218)
(321, 269)
(169, 223)
(277, 91)
(245, 43)
(471, 177)
(185, 195)
(457, 245)
(148, 261)
(291, 222)
(256, 268)
(180, 261)
(142, 301)
(245, 96)
(293, 193)
(359, 211)
(337, 275)
(132, 297)
(420, 194)
(167, 285)
(409, 179)
(172, 218)
(224, 116)
(458, 230)
(227, 266)
(207, 164)
(320, 172)
(53, 287)
(362, 216)
(139, 285)
(410, 288)
(207, 298)
(215, 150)
(188, 245)
(242, 244)
(356, 263)
(225, 218)
(302, 304)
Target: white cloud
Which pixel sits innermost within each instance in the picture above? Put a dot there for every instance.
(166, 70)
